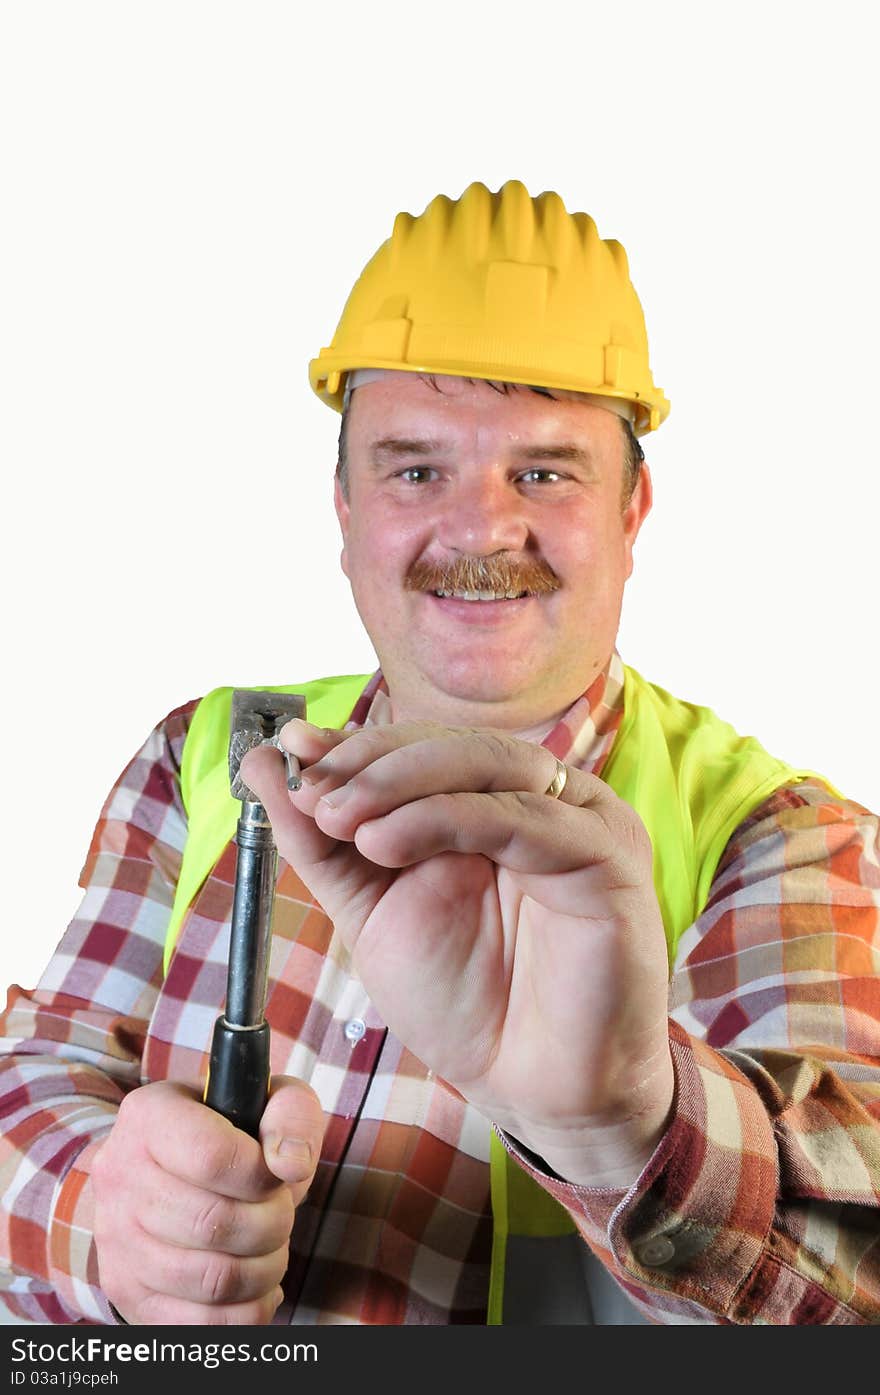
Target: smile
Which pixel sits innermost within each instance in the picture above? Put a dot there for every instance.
(480, 595)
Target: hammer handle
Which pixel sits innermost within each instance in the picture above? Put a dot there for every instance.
(238, 1074)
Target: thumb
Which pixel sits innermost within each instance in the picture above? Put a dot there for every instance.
(291, 1133)
(345, 884)
(308, 742)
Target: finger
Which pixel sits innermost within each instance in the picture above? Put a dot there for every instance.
(208, 1276)
(263, 770)
(525, 833)
(377, 774)
(308, 742)
(340, 879)
(291, 1132)
(479, 762)
(178, 1213)
(367, 744)
(151, 1308)
(196, 1144)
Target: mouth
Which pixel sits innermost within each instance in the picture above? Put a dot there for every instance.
(471, 596)
(495, 609)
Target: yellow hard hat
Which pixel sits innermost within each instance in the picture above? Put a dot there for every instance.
(499, 286)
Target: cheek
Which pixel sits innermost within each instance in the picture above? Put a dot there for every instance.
(385, 541)
(593, 558)
(375, 559)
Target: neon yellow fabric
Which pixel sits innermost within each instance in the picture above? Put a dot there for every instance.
(690, 776)
(204, 778)
(519, 1207)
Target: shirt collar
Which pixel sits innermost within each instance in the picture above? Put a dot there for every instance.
(582, 737)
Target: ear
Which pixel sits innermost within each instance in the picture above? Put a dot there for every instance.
(636, 512)
(343, 513)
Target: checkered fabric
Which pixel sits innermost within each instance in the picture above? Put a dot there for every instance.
(760, 1205)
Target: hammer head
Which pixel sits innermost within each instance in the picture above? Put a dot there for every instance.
(256, 720)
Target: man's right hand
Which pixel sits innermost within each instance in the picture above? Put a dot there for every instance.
(192, 1216)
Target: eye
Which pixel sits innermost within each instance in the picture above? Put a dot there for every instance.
(539, 476)
(416, 474)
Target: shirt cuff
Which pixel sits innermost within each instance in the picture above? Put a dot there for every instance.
(73, 1258)
(697, 1220)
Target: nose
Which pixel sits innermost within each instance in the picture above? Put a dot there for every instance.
(483, 513)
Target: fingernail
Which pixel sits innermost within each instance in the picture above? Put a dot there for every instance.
(296, 1150)
(336, 797)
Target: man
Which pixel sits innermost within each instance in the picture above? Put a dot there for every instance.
(493, 1100)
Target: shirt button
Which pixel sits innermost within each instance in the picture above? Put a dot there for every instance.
(654, 1252)
(354, 1029)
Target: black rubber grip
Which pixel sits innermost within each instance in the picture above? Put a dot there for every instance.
(238, 1075)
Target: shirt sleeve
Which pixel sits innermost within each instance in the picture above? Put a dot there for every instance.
(761, 1203)
(71, 1048)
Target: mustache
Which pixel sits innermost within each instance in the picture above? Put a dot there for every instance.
(499, 572)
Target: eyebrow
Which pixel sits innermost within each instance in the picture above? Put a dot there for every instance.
(399, 446)
(405, 445)
(566, 450)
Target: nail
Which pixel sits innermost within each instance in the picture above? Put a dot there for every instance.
(296, 1150)
(336, 797)
(290, 725)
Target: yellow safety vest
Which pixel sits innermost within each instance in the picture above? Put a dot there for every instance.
(690, 777)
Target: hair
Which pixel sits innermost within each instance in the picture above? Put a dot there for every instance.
(633, 455)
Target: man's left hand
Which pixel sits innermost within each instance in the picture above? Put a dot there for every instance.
(512, 941)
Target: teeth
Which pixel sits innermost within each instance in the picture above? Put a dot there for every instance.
(480, 595)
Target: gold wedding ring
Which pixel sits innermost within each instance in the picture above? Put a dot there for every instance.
(557, 784)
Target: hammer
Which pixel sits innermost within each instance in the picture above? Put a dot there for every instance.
(238, 1073)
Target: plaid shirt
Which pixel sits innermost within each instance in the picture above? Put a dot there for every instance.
(761, 1203)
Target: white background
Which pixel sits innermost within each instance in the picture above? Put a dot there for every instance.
(189, 191)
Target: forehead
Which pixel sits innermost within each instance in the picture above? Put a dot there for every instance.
(449, 406)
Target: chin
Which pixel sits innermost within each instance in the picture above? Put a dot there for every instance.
(480, 686)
